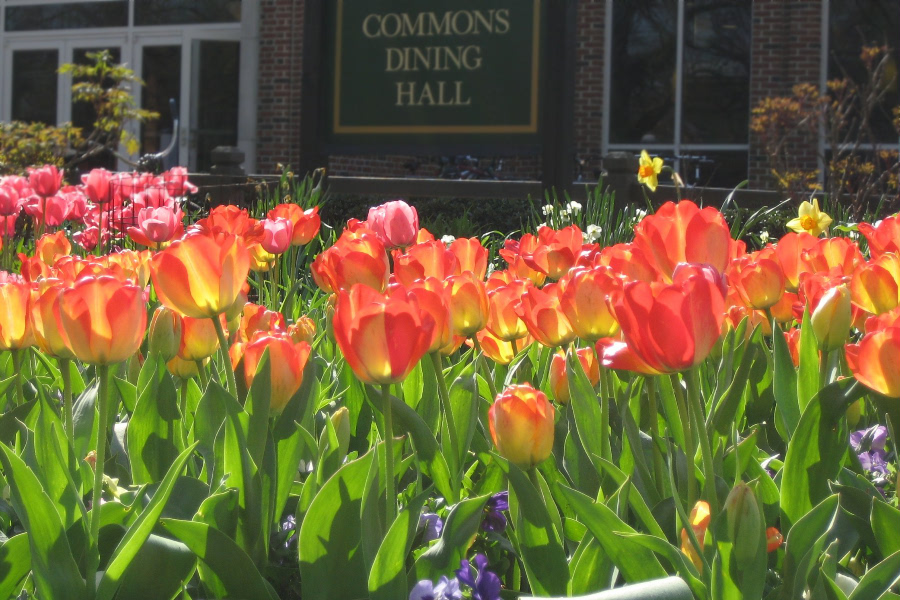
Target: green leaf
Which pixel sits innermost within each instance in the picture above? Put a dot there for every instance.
(159, 570)
(432, 461)
(54, 471)
(635, 562)
(138, 533)
(805, 541)
(461, 525)
(464, 401)
(15, 564)
(683, 567)
(636, 501)
(808, 373)
(539, 543)
(785, 384)
(590, 567)
(387, 578)
(154, 430)
(257, 407)
(128, 393)
(878, 579)
(55, 573)
(235, 571)
(289, 451)
(886, 525)
(727, 408)
(242, 474)
(816, 450)
(330, 536)
(591, 421)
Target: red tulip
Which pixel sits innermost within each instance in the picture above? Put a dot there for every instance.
(514, 253)
(669, 328)
(46, 180)
(10, 201)
(883, 237)
(434, 298)
(381, 337)
(275, 235)
(96, 185)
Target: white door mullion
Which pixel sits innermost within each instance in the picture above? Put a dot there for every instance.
(679, 75)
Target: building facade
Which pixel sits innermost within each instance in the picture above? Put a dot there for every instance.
(677, 77)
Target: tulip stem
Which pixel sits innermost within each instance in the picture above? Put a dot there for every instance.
(444, 395)
(96, 492)
(223, 347)
(17, 367)
(823, 368)
(654, 435)
(64, 366)
(479, 362)
(201, 373)
(390, 491)
(605, 448)
(695, 406)
(690, 450)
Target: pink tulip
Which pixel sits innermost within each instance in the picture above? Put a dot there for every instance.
(76, 205)
(10, 203)
(276, 235)
(46, 180)
(176, 183)
(96, 185)
(396, 223)
(156, 225)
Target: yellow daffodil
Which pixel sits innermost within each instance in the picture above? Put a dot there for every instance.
(649, 170)
(810, 219)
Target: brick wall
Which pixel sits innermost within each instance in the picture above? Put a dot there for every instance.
(786, 50)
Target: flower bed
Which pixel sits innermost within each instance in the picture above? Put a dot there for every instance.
(399, 416)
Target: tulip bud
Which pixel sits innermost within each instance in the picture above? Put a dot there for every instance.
(831, 318)
(341, 421)
(700, 517)
(559, 377)
(745, 523)
(165, 333)
(773, 539)
(521, 423)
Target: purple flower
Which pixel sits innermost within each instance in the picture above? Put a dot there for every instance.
(485, 585)
(869, 447)
(446, 589)
(433, 525)
(494, 519)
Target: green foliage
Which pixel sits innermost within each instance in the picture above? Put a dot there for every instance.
(26, 144)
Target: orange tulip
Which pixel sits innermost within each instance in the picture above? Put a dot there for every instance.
(45, 320)
(792, 337)
(434, 299)
(227, 218)
(256, 318)
(306, 222)
(683, 232)
(790, 250)
(354, 258)
(51, 246)
(883, 237)
(541, 313)
(468, 304)
(381, 337)
(874, 361)
(759, 281)
(699, 522)
(287, 359)
(185, 369)
(304, 330)
(201, 274)
(499, 351)
(875, 286)
(836, 256)
(15, 307)
(502, 320)
(428, 259)
(783, 310)
(104, 319)
(472, 255)
(585, 300)
(556, 251)
(521, 423)
(514, 251)
(198, 338)
(559, 377)
(669, 328)
(629, 261)
(773, 539)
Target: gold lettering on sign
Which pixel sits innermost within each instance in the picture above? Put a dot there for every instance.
(431, 93)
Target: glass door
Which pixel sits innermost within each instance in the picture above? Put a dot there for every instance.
(161, 69)
(215, 65)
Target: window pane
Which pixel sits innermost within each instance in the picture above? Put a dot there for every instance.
(217, 86)
(711, 168)
(162, 76)
(83, 113)
(34, 85)
(716, 71)
(178, 12)
(76, 15)
(643, 71)
(853, 24)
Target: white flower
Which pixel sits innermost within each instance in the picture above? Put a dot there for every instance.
(574, 207)
(541, 226)
(764, 236)
(547, 209)
(448, 239)
(564, 213)
(593, 233)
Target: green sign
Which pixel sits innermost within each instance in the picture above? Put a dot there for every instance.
(409, 71)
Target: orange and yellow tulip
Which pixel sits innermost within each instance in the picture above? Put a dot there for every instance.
(201, 274)
(882, 237)
(521, 424)
(559, 376)
(472, 255)
(15, 307)
(758, 280)
(354, 258)
(198, 338)
(790, 250)
(287, 359)
(585, 300)
(875, 286)
(45, 320)
(468, 304)
(104, 319)
(874, 361)
(502, 321)
(542, 315)
(381, 337)
(556, 251)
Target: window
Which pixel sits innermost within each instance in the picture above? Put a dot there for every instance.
(181, 12)
(679, 84)
(35, 82)
(74, 15)
(857, 23)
